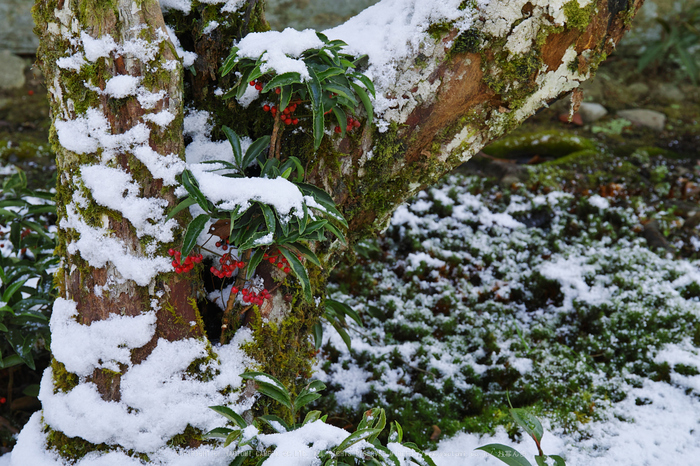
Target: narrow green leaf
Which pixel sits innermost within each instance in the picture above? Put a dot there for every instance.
(355, 437)
(3, 328)
(195, 227)
(231, 415)
(300, 272)
(235, 142)
(219, 432)
(12, 360)
(283, 79)
(276, 422)
(311, 416)
(343, 309)
(365, 101)
(329, 72)
(330, 227)
(366, 81)
(254, 261)
(192, 187)
(306, 252)
(318, 335)
(508, 455)
(270, 386)
(232, 437)
(255, 149)
(11, 290)
(315, 92)
(269, 215)
(341, 91)
(285, 97)
(342, 120)
(558, 460)
(338, 326)
(188, 201)
(528, 422)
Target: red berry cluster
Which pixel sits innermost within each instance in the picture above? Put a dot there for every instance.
(228, 266)
(252, 297)
(186, 265)
(258, 85)
(352, 124)
(286, 115)
(279, 259)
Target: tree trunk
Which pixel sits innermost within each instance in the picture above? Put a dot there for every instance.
(117, 94)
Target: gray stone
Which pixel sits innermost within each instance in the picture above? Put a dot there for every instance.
(16, 26)
(644, 117)
(638, 91)
(667, 92)
(11, 71)
(590, 112)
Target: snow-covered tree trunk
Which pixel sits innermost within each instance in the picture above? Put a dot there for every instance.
(133, 371)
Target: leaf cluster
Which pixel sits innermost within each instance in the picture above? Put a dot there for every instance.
(334, 84)
(26, 268)
(681, 36)
(335, 314)
(366, 436)
(256, 225)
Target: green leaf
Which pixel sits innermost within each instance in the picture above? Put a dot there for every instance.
(397, 430)
(315, 93)
(338, 326)
(300, 272)
(293, 162)
(230, 62)
(342, 120)
(3, 328)
(269, 215)
(195, 227)
(508, 455)
(235, 142)
(355, 437)
(254, 261)
(284, 79)
(528, 422)
(11, 290)
(219, 432)
(231, 415)
(330, 227)
(343, 309)
(188, 201)
(270, 386)
(329, 72)
(365, 101)
(238, 460)
(12, 360)
(311, 416)
(285, 97)
(232, 437)
(271, 420)
(341, 91)
(688, 63)
(318, 335)
(192, 187)
(558, 460)
(306, 252)
(366, 81)
(254, 150)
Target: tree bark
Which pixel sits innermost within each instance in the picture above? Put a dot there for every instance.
(464, 90)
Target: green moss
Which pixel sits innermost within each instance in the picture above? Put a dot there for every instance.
(552, 143)
(467, 42)
(190, 438)
(63, 380)
(438, 30)
(75, 448)
(577, 17)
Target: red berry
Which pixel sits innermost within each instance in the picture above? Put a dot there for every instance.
(241, 265)
(356, 124)
(171, 252)
(338, 130)
(30, 92)
(266, 108)
(252, 83)
(286, 270)
(278, 90)
(258, 87)
(234, 290)
(288, 121)
(280, 265)
(295, 121)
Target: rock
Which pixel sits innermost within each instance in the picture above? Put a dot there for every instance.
(11, 71)
(16, 27)
(667, 93)
(644, 117)
(591, 111)
(638, 91)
